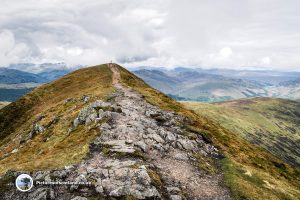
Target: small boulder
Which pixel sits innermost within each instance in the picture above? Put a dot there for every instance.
(76, 122)
(141, 145)
(186, 144)
(100, 105)
(85, 98)
(91, 118)
(173, 190)
(116, 108)
(38, 128)
(80, 178)
(170, 137)
(156, 137)
(85, 113)
(15, 151)
(181, 156)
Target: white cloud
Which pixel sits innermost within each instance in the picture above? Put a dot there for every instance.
(10, 51)
(266, 61)
(160, 33)
(226, 52)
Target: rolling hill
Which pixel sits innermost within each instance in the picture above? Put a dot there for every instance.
(272, 124)
(106, 126)
(287, 89)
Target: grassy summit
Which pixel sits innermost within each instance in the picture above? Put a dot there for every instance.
(53, 105)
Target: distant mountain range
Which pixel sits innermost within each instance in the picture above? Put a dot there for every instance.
(266, 76)
(33, 73)
(185, 84)
(17, 80)
(13, 76)
(220, 85)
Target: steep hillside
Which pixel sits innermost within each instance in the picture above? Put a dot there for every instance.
(272, 124)
(105, 127)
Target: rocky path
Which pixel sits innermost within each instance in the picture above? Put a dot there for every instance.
(158, 135)
(143, 152)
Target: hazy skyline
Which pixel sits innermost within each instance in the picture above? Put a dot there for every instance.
(208, 34)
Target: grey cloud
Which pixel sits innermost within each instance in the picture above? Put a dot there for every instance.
(133, 59)
(206, 33)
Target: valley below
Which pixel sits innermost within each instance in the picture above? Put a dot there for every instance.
(272, 124)
(200, 85)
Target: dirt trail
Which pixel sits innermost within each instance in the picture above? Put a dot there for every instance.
(174, 171)
(116, 77)
(141, 151)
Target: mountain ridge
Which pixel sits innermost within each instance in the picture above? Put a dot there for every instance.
(83, 125)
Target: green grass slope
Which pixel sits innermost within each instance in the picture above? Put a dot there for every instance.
(47, 104)
(272, 124)
(250, 172)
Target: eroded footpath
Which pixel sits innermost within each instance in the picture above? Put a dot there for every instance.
(142, 152)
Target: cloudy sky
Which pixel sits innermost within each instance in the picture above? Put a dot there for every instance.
(204, 33)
